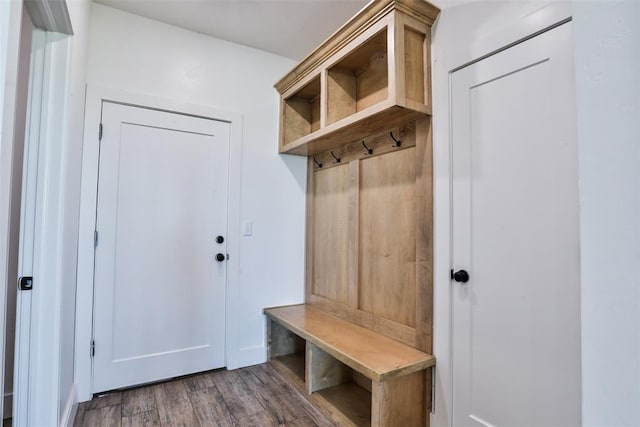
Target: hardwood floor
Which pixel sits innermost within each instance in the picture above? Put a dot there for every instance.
(254, 396)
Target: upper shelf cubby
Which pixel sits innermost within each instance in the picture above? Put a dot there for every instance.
(359, 80)
(302, 110)
(371, 74)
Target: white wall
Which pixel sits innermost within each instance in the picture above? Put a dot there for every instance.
(607, 54)
(148, 57)
(10, 23)
(80, 14)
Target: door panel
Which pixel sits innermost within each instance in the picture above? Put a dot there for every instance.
(159, 291)
(516, 323)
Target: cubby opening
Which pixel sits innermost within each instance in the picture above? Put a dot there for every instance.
(352, 399)
(302, 112)
(287, 348)
(359, 80)
(348, 391)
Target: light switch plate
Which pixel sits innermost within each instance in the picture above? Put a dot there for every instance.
(247, 228)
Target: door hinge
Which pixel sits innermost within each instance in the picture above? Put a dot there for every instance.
(95, 238)
(100, 132)
(92, 348)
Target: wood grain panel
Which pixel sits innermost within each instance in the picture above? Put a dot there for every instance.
(341, 94)
(297, 118)
(282, 341)
(354, 239)
(323, 370)
(399, 401)
(414, 65)
(394, 330)
(387, 236)
(309, 229)
(379, 143)
(372, 84)
(331, 233)
(362, 381)
(315, 113)
(349, 402)
(424, 236)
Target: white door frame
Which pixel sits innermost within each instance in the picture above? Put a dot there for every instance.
(37, 360)
(96, 94)
(446, 59)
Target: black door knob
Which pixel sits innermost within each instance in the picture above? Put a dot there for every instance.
(219, 239)
(460, 276)
(220, 257)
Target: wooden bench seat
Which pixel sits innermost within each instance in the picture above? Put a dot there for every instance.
(356, 376)
(373, 355)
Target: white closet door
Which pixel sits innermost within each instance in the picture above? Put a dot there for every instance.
(516, 322)
(159, 289)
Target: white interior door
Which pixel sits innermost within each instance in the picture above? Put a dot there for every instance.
(516, 322)
(159, 307)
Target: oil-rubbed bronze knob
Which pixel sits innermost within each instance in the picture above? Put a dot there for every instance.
(220, 257)
(460, 276)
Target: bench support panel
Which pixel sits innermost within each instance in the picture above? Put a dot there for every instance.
(399, 401)
(282, 341)
(324, 371)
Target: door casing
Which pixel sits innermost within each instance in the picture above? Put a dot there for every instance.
(39, 311)
(474, 43)
(96, 94)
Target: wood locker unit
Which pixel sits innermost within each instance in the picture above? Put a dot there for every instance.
(359, 107)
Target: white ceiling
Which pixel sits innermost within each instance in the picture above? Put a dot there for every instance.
(290, 28)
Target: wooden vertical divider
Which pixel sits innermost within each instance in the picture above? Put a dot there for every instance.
(424, 235)
(309, 238)
(397, 84)
(323, 370)
(354, 233)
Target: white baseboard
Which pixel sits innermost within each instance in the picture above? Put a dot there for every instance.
(8, 405)
(247, 356)
(70, 409)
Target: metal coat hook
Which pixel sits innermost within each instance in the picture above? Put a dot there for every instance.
(397, 143)
(369, 150)
(337, 158)
(317, 162)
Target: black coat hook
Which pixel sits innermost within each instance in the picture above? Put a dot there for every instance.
(369, 150)
(317, 162)
(337, 158)
(397, 143)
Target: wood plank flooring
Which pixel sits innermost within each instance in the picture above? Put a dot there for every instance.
(254, 396)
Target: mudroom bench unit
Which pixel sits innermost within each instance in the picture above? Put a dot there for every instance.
(359, 108)
(359, 376)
